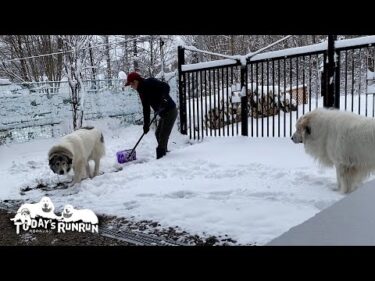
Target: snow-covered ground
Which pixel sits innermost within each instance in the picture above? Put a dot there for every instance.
(251, 189)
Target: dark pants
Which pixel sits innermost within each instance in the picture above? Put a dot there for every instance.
(164, 129)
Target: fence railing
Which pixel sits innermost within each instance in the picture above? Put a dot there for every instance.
(30, 110)
(265, 96)
(57, 86)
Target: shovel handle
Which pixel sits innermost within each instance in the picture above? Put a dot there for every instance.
(131, 152)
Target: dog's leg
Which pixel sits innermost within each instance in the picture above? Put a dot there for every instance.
(76, 179)
(357, 175)
(88, 174)
(338, 187)
(97, 164)
(350, 176)
(79, 169)
(344, 180)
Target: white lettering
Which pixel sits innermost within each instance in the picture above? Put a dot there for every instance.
(18, 227)
(95, 228)
(74, 227)
(61, 227)
(34, 223)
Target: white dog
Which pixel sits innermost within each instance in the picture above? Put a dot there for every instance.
(23, 215)
(75, 151)
(341, 139)
(70, 214)
(44, 208)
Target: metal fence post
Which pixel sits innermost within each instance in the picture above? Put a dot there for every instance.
(244, 110)
(182, 91)
(337, 70)
(328, 83)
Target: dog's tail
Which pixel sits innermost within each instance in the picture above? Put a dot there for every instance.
(102, 144)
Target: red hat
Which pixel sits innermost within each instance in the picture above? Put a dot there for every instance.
(131, 77)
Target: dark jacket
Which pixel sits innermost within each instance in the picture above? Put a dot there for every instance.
(154, 93)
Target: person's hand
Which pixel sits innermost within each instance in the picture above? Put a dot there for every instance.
(145, 129)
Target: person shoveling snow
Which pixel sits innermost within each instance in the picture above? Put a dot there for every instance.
(155, 93)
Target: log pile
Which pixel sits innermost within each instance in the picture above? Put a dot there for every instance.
(260, 105)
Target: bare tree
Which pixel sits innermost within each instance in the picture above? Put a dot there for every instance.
(74, 58)
(27, 65)
(108, 58)
(92, 66)
(135, 55)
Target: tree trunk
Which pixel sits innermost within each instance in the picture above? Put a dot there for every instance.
(108, 56)
(73, 62)
(59, 65)
(125, 61)
(24, 71)
(135, 55)
(232, 45)
(93, 70)
(150, 67)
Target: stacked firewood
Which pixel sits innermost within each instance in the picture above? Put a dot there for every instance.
(259, 106)
(262, 105)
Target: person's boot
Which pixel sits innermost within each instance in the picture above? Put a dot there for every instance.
(160, 152)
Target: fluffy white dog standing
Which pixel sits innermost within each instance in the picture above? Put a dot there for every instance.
(341, 139)
(75, 151)
(70, 214)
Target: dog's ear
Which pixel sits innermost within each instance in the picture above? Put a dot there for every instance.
(308, 130)
(51, 159)
(66, 155)
(51, 156)
(25, 211)
(305, 124)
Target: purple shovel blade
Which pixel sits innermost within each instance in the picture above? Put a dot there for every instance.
(123, 156)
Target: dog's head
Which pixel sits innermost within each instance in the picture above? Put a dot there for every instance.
(68, 211)
(24, 215)
(60, 163)
(46, 204)
(303, 129)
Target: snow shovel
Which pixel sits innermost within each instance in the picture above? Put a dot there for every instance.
(128, 155)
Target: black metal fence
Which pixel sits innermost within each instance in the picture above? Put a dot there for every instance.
(266, 94)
